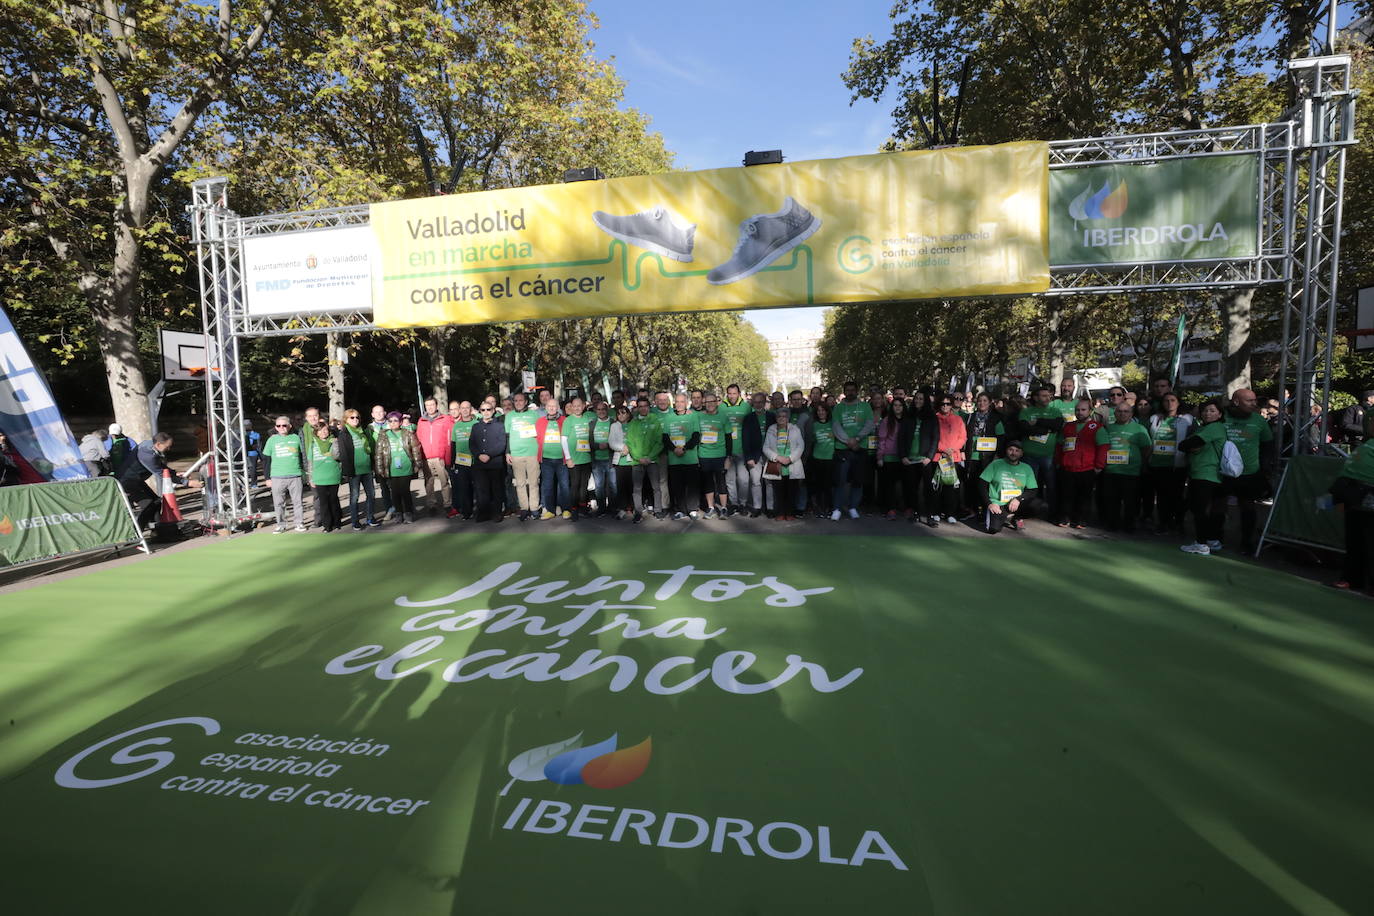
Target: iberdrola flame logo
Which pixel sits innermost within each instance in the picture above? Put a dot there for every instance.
(6, 526)
(1106, 202)
(568, 763)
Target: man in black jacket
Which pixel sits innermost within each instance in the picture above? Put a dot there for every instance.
(752, 428)
(488, 446)
(149, 460)
(1351, 426)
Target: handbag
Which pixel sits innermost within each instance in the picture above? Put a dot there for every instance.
(772, 470)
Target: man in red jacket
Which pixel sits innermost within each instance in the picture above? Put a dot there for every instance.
(1078, 459)
(433, 430)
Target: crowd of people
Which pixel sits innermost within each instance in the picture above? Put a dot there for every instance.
(1128, 460)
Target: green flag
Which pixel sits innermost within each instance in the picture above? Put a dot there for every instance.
(1177, 359)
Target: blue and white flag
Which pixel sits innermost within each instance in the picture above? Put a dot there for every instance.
(29, 416)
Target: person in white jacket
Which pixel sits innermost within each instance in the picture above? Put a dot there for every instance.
(625, 489)
(785, 445)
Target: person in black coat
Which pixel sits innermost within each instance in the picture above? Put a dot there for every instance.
(916, 441)
(487, 444)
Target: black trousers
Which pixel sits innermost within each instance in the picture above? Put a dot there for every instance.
(327, 513)
(489, 489)
(684, 483)
(624, 488)
(940, 501)
(1120, 501)
(822, 471)
(892, 485)
(1246, 489)
(144, 501)
(401, 499)
(1075, 495)
(1359, 547)
(1208, 504)
(994, 522)
(579, 475)
(1167, 484)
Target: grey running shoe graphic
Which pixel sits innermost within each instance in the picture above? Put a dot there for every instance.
(659, 230)
(763, 239)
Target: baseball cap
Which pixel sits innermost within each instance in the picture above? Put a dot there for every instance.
(116, 429)
(1015, 442)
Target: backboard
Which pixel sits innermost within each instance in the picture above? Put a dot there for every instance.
(184, 355)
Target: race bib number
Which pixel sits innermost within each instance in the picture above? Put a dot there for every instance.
(527, 432)
(583, 445)
(985, 444)
(1164, 448)
(1118, 456)
(678, 441)
(551, 436)
(871, 443)
(1070, 443)
(782, 435)
(710, 436)
(1011, 493)
(1043, 438)
(463, 461)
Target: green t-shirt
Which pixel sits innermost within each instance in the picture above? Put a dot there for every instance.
(362, 446)
(678, 427)
(1065, 408)
(1165, 443)
(401, 465)
(324, 468)
(1247, 434)
(578, 432)
(786, 437)
(285, 452)
(601, 438)
(1360, 465)
(1007, 481)
(1205, 463)
(1041, 444)
(521, 437)
(915, 451)
(1126, 445)
(461, 434)
(714, 427)
(824, 448)
(736, 413)
(553, 439)
(853, 418)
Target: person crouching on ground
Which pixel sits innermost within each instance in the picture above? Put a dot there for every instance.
(1009, 491)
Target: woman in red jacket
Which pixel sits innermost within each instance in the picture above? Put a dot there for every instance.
(949, 452)
(1077, 460)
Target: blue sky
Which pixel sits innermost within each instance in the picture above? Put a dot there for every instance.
(721, 78)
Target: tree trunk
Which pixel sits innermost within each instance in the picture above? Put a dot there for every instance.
(1234, 306)
(1058, 346)
(116, 307)
(336, 375)
(438, 385)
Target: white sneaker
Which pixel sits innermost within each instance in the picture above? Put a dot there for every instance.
(1214, 546)
(694, 514)
(951, 519)
(300, 527)
(280, 529)
(835, 516)
(853, 513)
(659, 230)
(1201, 550)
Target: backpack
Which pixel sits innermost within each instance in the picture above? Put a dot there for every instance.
(1229, 461)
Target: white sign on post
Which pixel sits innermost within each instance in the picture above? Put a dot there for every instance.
(527, 379)
(319, 272)
(1364, 319)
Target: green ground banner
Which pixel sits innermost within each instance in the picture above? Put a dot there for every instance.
(1296, 517)
(543, 722)
(1175, 210)
(43, 520)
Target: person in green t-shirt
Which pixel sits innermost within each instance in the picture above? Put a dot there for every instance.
(1250, 433)
(1009, 491)
(523, 452)
(1354, 490)
(853, 426)
(1067, 402)
(397, 458)
(681, 438)
(736, 408)
(324, 476)
(355, 461)
(577, 455)
(284, 463)
(1203, 446)
(820, 459)
(1128, 446)
(1040, 423)
(463, 481)
(714, 452)
(1167, 473)
(603, 473)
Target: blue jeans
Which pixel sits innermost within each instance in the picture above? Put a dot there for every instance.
(553, 484)
(849, 477)
(603, 481)
(355, 483)
(1043, 466)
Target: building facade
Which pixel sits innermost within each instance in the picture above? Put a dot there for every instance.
(794, 361)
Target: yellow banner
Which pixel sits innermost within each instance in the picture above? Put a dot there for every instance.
(918, 225)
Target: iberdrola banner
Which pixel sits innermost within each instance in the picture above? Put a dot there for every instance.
(915, 225)
(1175, 210)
